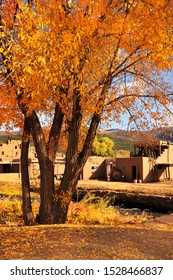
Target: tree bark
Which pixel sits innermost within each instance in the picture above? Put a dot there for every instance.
(74, 165)
(46, 170)
(46, 153)
(46, 191)
(26, 198)
(54, 204)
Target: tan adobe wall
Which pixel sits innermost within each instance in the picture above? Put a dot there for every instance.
(166, 155)
(10, 151)
(148, 170)
(59, 167)
(131, 168)
(94, 168)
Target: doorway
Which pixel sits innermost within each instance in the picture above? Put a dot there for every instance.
(134, 173)
(6, 168)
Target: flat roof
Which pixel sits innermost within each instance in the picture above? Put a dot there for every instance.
(152, 143)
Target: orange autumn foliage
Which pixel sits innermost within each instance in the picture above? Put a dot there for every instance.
(106, 50)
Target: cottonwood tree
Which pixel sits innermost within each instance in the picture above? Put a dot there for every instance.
(78, 63)
(103, 147)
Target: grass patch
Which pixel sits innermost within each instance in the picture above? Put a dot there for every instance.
(13, 189)
(10, 188)
(10, 211)
(89, 211)
(11, 202)
(93, 210)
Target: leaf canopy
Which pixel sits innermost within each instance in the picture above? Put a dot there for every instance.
(110, 54)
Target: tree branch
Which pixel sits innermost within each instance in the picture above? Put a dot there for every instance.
(89, 138)
(55, 131)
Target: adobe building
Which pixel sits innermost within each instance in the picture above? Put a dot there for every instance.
(98, 167)
(10, 153)
(152, 161)
(10, 166)
(59, 167)
(10, 156)
(95, 168)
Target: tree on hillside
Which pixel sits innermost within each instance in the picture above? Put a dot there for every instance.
(103, 147)
(78, 63)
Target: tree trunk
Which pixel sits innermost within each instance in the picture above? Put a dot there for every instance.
(46, 153)
(64, 195)
(27, 207)
(74, 165)
(46, 171)
(54, 205)
(46, 191)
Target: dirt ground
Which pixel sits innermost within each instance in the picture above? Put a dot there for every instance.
(149, 241)
(158, 188)
(87, 242)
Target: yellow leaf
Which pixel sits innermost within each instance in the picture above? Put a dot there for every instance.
(28, 69)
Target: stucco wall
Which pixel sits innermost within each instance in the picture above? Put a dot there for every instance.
(148, 170)
(94, 168)
(145, 169)
(130, 167)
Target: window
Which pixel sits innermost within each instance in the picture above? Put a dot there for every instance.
(94, 167)
(2, 153)
(123, 168)
(15, 147)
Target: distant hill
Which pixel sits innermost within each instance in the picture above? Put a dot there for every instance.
(120, 133)
(6, 135)
(165, 134)
(123, 139)
(9, 133)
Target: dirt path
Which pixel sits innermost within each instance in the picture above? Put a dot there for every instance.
(159, 188)
(94, 242)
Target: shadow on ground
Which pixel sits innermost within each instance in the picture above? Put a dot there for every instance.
(82, 242)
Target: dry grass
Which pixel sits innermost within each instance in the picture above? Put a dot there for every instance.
(13, 189)
(10, 211)
(84, 212)
(95, 210)
(10, 188)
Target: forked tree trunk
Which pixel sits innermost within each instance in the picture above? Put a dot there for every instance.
(46, 153)
(54, 204)
(27, 207)
(74, 165)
